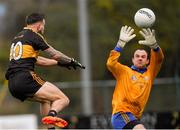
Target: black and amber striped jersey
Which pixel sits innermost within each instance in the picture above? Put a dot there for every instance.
(25, 49)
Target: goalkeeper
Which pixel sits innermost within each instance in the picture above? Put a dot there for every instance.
(24, 83)
(134, 83)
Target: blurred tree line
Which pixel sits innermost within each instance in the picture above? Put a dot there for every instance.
(105, 20)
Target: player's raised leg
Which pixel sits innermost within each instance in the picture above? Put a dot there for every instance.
(57, 102)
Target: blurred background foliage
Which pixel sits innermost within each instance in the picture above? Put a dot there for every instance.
(105, 20)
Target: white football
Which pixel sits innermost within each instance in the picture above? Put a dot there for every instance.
(144, 18)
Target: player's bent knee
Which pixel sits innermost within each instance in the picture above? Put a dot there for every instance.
(66, 101)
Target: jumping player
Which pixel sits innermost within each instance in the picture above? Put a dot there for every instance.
(133, 84)
(24, 83)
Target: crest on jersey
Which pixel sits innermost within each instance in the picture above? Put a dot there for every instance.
(133, 77)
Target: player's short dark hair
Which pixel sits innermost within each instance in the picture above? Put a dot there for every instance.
(33, 18)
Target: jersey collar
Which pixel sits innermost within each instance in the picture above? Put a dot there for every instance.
(139, 70)
(29, 29)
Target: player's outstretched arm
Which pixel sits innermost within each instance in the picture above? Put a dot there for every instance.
(126, 34)
(157, 55)
(57, 55)
(63, 60)
(42, 61)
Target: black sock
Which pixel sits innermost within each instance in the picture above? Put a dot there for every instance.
(52, 128)
(52, 113)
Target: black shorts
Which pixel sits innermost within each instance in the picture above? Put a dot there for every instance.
(24, 84)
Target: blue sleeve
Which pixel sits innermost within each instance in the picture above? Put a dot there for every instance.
(118, 49)
(156, 49)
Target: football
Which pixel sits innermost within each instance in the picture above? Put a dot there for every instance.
(144, 18)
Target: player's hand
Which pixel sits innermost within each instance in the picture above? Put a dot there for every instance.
(126, 34)
(150, 39)
(73, 64)
(76, 64)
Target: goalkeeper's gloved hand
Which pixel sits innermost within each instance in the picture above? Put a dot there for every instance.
(74, 64)
(126, 34)
(150, 39)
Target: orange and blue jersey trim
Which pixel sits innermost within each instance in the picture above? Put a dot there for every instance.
(138, 69)
(121, 119)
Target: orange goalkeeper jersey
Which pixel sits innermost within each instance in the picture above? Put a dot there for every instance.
(132, 88)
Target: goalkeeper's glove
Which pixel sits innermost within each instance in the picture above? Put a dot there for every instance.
(126, 34)
(150, 39)
(74, 64)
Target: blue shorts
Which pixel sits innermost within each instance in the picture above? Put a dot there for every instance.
(121, 119)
